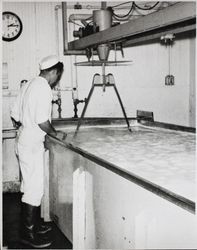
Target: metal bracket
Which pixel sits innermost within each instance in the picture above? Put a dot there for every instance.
(107, 83)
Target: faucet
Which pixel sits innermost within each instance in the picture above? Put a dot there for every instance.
(59, 103)
(76, 102)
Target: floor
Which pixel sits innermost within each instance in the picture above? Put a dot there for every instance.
(11, 222)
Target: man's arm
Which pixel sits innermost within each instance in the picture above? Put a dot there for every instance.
(50, 130)
(16, 107)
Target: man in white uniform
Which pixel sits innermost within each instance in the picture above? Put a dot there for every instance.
(33, 111)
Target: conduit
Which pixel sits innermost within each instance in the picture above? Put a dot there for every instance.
(65, 34)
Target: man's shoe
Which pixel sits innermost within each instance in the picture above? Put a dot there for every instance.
(28, 234)
(35, 241)
(43, 228)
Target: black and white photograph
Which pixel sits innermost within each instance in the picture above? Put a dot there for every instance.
(98, 115)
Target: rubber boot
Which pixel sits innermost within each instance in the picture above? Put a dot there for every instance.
(28, 235)
(41, 227)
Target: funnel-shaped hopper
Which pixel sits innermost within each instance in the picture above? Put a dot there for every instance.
(103, 52)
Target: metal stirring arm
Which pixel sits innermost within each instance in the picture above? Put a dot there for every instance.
(86, 103)
(123, 110)
(108, 84)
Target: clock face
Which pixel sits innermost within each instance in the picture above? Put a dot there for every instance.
(12, 26)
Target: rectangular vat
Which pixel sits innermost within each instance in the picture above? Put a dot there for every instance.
(111, 189)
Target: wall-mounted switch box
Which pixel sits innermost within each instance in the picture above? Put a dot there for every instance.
(169, 80)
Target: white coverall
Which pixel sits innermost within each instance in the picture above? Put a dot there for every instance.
(32, 107)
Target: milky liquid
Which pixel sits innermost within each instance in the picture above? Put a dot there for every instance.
(164, 157)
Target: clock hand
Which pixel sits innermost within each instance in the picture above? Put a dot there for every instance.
(13, 25)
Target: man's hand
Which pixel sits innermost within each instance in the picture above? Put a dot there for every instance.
(50, 130)
(16, 124)
(61, 135)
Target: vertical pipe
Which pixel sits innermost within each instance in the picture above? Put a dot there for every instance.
(115, 47)
(59, 101)
(57, 7)
(169, 59)
(74, 74)
(103, 76)
(65, 28)
(58, 88)
(103, 5)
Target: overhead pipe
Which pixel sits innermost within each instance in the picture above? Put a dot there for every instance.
(75, 17)
(65, 34)
(82, 17)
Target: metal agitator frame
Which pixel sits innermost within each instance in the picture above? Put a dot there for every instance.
(108, 81)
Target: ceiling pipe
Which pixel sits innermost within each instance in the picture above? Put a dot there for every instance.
(65, 34)
(74, 17)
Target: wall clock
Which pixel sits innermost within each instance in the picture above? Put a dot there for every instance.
(12, 26)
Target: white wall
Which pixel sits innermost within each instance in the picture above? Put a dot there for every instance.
(38, 39)
(141, 85)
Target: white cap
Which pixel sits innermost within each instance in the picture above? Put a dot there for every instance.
(48, 62)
